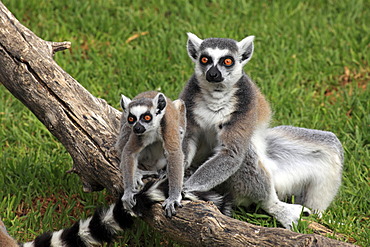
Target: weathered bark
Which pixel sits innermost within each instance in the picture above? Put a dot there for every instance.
(201, 224)
(87, 127)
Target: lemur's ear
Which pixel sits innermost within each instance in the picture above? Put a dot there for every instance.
(193, 46)
(246, 48)
(160, 102)
(124, 102)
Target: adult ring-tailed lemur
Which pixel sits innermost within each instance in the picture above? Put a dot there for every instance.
(229, 147)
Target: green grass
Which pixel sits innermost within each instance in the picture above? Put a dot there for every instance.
(311, 60)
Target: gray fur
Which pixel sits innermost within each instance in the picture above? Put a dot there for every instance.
(319, 154)
(220, 43)
(144, 149)
(229, 146)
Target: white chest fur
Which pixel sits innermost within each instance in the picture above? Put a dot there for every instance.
(213, 108)
(151, 137)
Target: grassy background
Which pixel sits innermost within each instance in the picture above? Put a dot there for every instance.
(311, 60)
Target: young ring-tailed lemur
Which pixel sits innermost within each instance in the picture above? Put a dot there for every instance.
(150, 138)
(105, 224)
(228, 144)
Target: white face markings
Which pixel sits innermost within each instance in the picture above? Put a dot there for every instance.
(230, 74)
(151, 126)
(216, 54)
(138, 110)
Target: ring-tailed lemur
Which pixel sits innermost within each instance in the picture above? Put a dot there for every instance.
(150, 138)
(105, 224)
(229, 146)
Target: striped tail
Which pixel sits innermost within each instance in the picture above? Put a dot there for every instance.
(105, 224)
(102, 227)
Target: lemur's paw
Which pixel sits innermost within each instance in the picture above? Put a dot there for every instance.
(170, 205)
(142, 174)
(292, 214)
(128, 200)
(138, 182)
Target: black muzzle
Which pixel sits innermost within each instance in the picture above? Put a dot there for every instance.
(214, 75)
(139, 129)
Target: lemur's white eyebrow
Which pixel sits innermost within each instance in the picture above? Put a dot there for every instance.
(216, 53)
(138, 110)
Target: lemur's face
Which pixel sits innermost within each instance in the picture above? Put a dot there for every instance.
(218, 66)
(219, 61)
(144, 115)
(140, 119)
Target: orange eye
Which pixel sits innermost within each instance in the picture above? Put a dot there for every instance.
(130, 119)
(204, 60)
(147, 118)
(228, 62)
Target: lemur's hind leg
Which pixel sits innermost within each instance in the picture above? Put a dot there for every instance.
(287, 214)
(254, 184)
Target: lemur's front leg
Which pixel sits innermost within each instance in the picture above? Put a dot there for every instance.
(175, 172)
(189, 145)
(129, 184)
(175, 165)
(224, 163)
(214, 171)
(128, 166)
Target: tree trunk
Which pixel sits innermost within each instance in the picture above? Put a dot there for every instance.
(87, 127)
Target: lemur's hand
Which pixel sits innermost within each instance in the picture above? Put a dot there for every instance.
(140, 175)
(138, 180)
(128, 200)
(170, 205)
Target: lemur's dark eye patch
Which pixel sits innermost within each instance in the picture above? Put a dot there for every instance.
(205, 59)
(131, 119)
(147, 117)
(228, 62)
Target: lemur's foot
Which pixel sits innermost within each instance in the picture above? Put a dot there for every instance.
(128, 200)
(170, 205)
(288, 214)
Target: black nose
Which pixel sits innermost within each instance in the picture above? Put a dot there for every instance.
(214, 75)
(138, 128)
